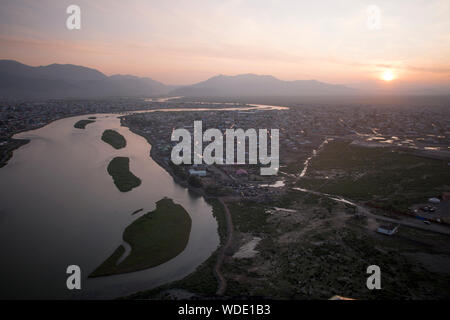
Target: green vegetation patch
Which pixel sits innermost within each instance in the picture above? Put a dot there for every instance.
(155, 238)
(202, 281)
(316, 258)
(82, 124)
(195, 181)
(6, 151)
(249, 216)
(115, 139)
(367, 173)
(124, 179)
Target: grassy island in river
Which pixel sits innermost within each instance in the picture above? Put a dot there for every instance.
(82, 124)
(155, 238)
(115, 139)
(124, 179)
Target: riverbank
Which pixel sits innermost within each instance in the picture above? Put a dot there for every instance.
(160, 161)
(222, 283)
(6, 150)
(207, 279)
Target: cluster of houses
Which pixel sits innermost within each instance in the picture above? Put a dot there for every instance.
(17, 116)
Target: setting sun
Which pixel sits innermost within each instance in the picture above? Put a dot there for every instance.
(388, 75)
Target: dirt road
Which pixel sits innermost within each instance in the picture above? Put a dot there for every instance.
(222, 283)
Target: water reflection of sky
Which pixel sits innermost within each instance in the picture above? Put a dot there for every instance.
(424, 143)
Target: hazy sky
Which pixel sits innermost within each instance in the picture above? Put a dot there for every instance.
(182, 42)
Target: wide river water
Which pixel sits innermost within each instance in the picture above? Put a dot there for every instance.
(60, 207)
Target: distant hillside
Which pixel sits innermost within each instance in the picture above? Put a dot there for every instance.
(135, 86)
(65, 81)
(259, 85)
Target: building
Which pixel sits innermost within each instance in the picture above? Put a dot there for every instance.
(434, 200)
(388, 229)
(199, 173)
(340, 298)
(241, 172)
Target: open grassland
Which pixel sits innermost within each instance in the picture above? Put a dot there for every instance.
(392, 176)
(324, 249)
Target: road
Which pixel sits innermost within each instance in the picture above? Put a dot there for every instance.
(222, 283)
(406, 221)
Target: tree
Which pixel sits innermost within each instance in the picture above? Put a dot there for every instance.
(195, 181)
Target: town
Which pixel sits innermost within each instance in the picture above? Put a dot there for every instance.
(181, 152)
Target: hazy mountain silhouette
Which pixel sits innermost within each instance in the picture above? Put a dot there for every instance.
(259, 85)
(136, 86)
(64, 81)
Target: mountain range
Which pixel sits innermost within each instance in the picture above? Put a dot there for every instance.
(18, 80)
(259, 85)
(71, 81)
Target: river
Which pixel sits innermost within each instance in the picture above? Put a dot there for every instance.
(59, 206)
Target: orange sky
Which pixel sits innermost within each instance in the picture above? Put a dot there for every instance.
(182, 42)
